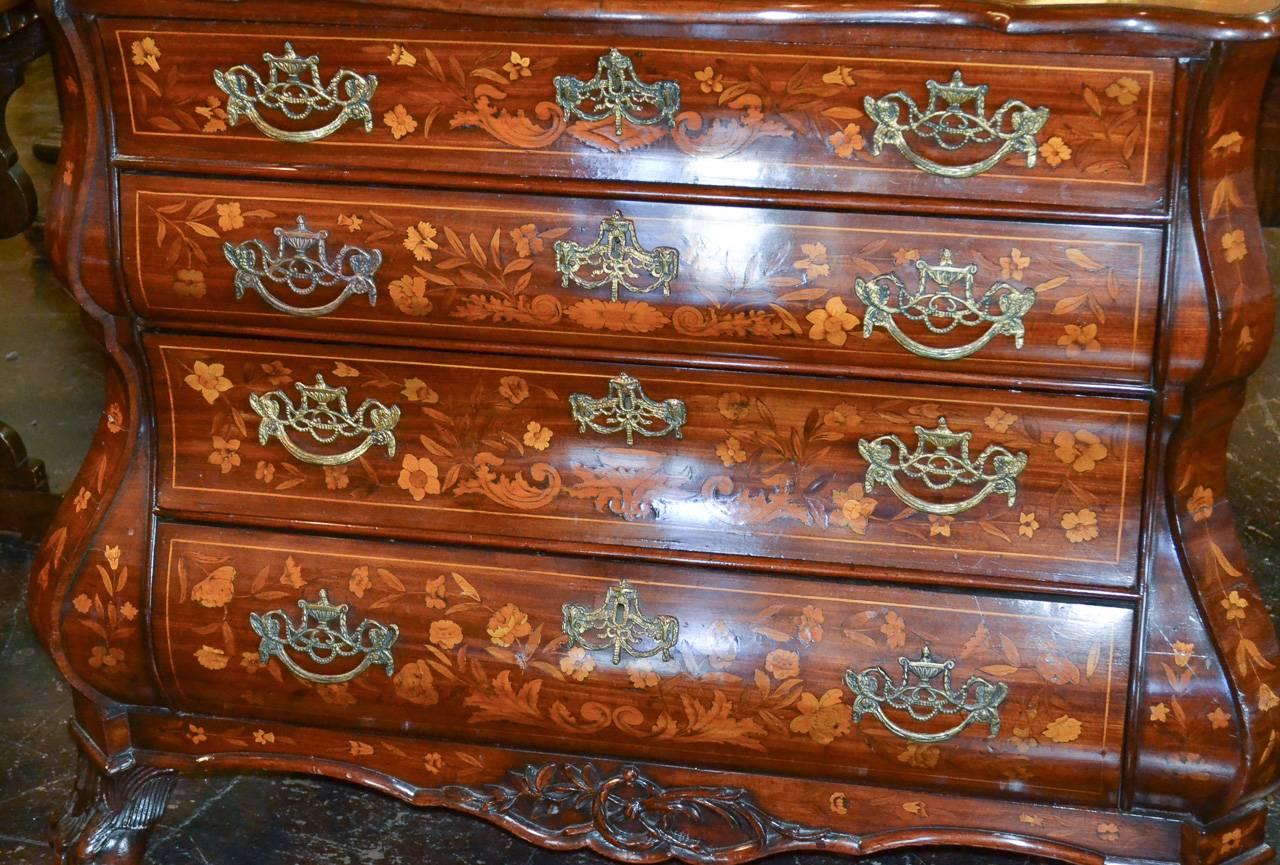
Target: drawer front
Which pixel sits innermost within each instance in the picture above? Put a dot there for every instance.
(1050, 129)
(724, 669)
(844, 290)
(954, 480)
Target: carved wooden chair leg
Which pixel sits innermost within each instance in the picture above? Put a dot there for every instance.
(109, 816)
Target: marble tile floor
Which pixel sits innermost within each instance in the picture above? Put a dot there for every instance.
(50, 390)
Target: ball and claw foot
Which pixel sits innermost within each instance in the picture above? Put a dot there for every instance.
(109, 816)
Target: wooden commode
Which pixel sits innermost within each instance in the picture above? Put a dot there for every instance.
(683, 430)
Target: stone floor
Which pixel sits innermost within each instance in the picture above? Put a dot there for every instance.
(50, 390)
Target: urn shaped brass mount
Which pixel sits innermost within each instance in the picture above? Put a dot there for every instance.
(925, 691)
(626, 409)
(617, 92)
(323, 635)
(617, 259)
(294, 89)
(323, 415)
(619, 625)
(955, 118)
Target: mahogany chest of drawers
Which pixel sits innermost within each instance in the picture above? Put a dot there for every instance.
(685, 431)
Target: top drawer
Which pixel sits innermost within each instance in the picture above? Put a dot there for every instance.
(1080, 131)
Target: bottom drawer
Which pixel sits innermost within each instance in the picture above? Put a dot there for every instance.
(719, 669)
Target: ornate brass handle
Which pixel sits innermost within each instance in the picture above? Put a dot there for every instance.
(302, 264)
(316, 636)
(942, 310)
(978, 699)
(946, 122)
(615, 258)
(624, 627)
(933, 463)
(297, 98)
(317, 415)
(627, 409)
(617, 92)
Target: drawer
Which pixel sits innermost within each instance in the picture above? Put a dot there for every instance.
(1073, 130)
(739, 671)
(841, 290)
(847, 474)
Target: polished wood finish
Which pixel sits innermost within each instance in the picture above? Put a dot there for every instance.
(1112, 598)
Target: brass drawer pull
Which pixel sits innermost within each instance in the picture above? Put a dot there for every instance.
(946, 122)
(942, 310)
(615, 258)
(933, 463)
(286, 91)
(624, 627)
(627, 409)
(319, 417)
(302, 264)
(316, 637)
(616, 92)
(923, 700)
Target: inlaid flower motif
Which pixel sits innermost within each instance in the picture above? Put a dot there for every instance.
(251, 662)
(211, 658)
(920, 756)
(838, 803)
(855, 507)
(1218, 719)
(336, 478)
(400, 121)
(82, 499)
(1234, 245)
(733, 405)
(1081, 525)
(417, 390)
(1000, 420)
(292, 576)
(217, 589)
(1108, 831)
(433, 763)
(68, 172)
(409, 294)
(107, 659)
(1182, 653)
(513, 389)
(196, 734)
(115, 418)
(262, 737)
(894, 630)
(189, 283)
(709, 80)
(1013, 264)
(265, 472)
(1230, 842)
(782, 664)
(420, 476)
(277, 373)
(224, 454)
(507, 625)
(352, 223)
(1055, 151)
(420, 240)
(229, 216)
(1079, 338)
(642, 675)
(1024, 739)
(516, 67)
(215, 116)
(112, 554)
(1082, 450)
(401, 56)
(1229, 143)
(145, 52)
(577, 664)
(537, 436)
(731, 452)
(723, 649)
(1200, 505)
(208, 380)
(1124, 90)
(82, 604)
(359, 749)
(1027, 524)
(336, 695)
(359, 582)
(940, 525)
(435, 593)
(632, 316)
(1159, 713)
(1244, 341)
(815, 263)
(842, 75)
(414, 682)
(832, 322)
(1235, 606)
(1267, 699)
(1063, 729)
(445, 633)
(846, 141)
(810, 630)
(822, 719)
